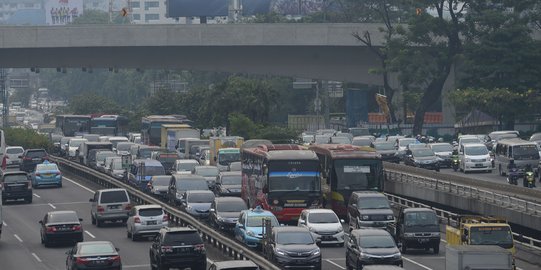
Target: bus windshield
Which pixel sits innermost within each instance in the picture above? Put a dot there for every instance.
(227, 158)
(356, 174)
(294, 181)
(499, 235)
(103, 122)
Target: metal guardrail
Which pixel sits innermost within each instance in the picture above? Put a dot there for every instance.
(491, 197)
(228, 246)
(448, 218)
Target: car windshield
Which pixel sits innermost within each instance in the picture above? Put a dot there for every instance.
(154, 170)
(442, 148)
(376, 241)
(294, 238)
(373, 203)
(115, 196)
(76, 143)
(470, 140)
(420, 219)
(257, 221)
(101, 248)
(322, 218)
(527, 151)
(192, 185)
(103, 154)
(207, 172)
(362, 142)
(146, 152)
(46, 167)
(150, 212)
(186, 166)
(384, 146)
(182, 238)
(231, 206)
(63, 217)
(476, 150)
(14, 151)
(340, 140)
(425, 152)
(231, 180)
(405, 142)
(124, 146)
(227, 158)
(201, 197)
(13, 178)
(161, 181)
(35, 154)
(498, 235)
(287, 181)
(116, 164)
(357, 174)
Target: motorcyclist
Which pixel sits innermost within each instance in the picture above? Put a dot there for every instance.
(512, 169)
(527, 168)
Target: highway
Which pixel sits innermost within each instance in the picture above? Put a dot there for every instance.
(20, 246)
(489, 177)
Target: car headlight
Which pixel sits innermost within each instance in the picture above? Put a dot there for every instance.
(397, 255)
(280, 252)
(250, 233)
(189, 207)
(365, 217)
(409, 234)
(365, 255)
(435, 234)
(316, 251)
(390, 217)
(220, 219)
(340, 228)
(467, 160)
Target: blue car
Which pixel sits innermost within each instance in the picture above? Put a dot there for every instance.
(249, 229)
(46, 174)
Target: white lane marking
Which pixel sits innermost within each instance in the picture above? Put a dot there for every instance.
(43, 204)
(416, 263)
(36, 195)
(83, 187)
(4, 224)
(136, 266)
(335, 264)
(443, 240)
(18, 238)
(89, 234)
(51, 205)
(36, 257)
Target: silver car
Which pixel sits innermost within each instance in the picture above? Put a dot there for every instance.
(13, 153)
(197, 203)
(145, 220)
(209, 172)
(110, 205)
(159, 184)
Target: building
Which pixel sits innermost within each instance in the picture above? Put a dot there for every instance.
(9, 7)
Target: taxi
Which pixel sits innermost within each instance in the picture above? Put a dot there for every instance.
(46, 174)
(249, 226)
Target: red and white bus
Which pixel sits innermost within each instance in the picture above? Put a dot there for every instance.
(281, 178)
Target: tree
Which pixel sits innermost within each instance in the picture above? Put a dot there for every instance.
(27, 138)
(91, 103)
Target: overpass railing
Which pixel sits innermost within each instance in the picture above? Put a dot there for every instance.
(228, 246)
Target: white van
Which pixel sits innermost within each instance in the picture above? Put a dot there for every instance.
(474, 157)
(522, 153)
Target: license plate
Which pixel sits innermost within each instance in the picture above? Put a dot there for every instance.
(47, 175)
(326, 238)
(423, 240)
(478, 165)
(152, 222)
(114, 206)
(36, 159)
(100, 262)
(63, 229)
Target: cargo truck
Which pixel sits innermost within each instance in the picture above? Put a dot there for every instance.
(480, 257)
(1, 220)
(171, 133)
(224, 150)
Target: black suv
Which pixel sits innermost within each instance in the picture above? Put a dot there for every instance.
(292, 247)
(31, 158)
(418, 228)
(178, 247)
(16, 185)
(369, 209)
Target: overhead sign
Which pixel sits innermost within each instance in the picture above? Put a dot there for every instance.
(213, 8)
(62, 12)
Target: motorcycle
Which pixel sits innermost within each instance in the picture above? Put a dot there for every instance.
(454, 163)
(513, 175)
(529, 179)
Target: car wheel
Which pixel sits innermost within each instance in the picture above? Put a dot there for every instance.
(128, 234)
(28, 200)
(436, 249)
(99, 223)
(93, 219)
(134, 237)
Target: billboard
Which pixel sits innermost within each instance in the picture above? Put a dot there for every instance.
(356, 107)
(213, 8)
(62, 12)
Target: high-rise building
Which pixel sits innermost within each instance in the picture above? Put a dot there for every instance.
(10, 7)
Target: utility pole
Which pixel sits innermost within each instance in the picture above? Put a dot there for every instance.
(4, 93)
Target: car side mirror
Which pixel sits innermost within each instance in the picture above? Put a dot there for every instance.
(301, 221)
(212, 210)
(241, 226)
(91, 200)
(354, 205)
(20, 156)
(40, 222)
(342, 221)
(117, 249)
(318, 241)
(80, 219)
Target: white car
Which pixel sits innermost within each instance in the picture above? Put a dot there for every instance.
(145, 220)
(324, 224)
(73, 146)
(184, 166)
(474, 157)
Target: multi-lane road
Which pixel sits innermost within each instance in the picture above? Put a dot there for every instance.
(20, 246)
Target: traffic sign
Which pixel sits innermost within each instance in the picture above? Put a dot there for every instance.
(124, 12)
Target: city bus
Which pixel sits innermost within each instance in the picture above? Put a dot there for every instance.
(346, 168)
(110, 125)
(151, 127)
(281, 178)
(72, 125)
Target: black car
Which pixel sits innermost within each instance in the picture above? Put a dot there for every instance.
(387, 150)
(96, 255)
(424, 158)
(16, 185)
(61, 227)
(225, 211)
(228, 184)
(418, 228)
(371, 246)
(178, 247)
(31, 158)
(292, 247)
(369, 209)
(234, 265)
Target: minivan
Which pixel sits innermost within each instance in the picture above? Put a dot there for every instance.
(141, 170)
(180, 183)
(474, 157)
(522, 153)
(110, 205)
(369, 209)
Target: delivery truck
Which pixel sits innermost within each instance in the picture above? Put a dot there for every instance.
(224, 150)
(171, 133)
(480, 257)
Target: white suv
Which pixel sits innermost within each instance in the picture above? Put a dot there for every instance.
(145, 220)
(474, 157)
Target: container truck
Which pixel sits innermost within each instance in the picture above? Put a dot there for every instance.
(170, 133)
(231, 153)
(480, 257)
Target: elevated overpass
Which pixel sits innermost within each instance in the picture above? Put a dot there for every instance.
(324, 51)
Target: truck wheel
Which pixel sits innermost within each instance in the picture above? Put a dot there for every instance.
(436, 249)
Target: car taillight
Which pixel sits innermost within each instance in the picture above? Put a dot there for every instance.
(77, 228)
(136, 220)
(199, 247)
(51, 229)
(38, 174)
(115, 258)
(27, 158)
(101, 209)
(167, 249)
(165, 218)
(29, 185)
(81, 261)
(128, 207)
(58, 173)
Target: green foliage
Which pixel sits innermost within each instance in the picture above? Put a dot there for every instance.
(277, 134)
(92, 103)
(27, 138)
(240, 125)
(22, 95)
